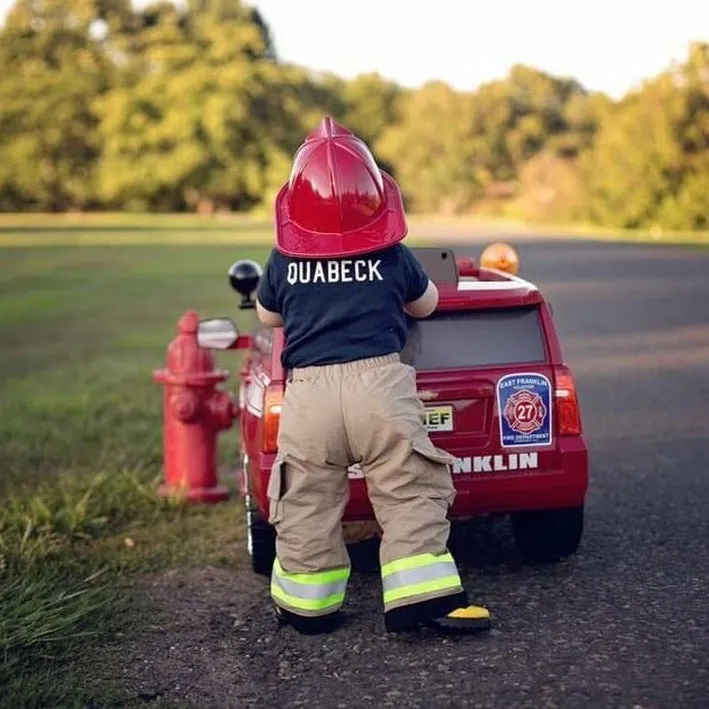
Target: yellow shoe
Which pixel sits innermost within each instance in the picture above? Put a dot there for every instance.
(470, 619)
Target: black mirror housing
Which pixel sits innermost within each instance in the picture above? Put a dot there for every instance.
(244, 277)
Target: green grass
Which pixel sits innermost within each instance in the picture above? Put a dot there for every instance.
(82, 329)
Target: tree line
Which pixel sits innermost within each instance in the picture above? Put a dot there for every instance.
(168, 108)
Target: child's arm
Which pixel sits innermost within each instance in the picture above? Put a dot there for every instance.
(267, 295)
(421, 294)
(425, 305)
(268, 317)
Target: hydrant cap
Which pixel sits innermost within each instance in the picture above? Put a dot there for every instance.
(188, 323)
(184, 356)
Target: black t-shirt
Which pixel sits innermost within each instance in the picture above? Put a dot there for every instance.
(344, 309)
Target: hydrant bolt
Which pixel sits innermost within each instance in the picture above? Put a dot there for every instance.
(184, 407)
(221, 410)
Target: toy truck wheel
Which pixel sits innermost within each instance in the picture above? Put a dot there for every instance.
(261, 540)
(548, 535)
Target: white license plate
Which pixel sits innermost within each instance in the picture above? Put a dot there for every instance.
(438, 418)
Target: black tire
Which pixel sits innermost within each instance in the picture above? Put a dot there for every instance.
(548, 535)
(261, 540)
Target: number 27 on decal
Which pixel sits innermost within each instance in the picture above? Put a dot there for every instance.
(525, 411)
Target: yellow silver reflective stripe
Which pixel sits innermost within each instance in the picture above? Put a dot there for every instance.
(408, 577)
(318, 577)
(417, 575)
(448, 583)
(312, 592)
(415, 562)
(320, 604)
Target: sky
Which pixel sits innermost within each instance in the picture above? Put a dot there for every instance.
(608, 45)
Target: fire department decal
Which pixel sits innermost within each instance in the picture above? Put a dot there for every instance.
(524, 405)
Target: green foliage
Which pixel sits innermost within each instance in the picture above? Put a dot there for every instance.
(435, 167)
(186, 107)
(50, 69)
(550, 188)
(372, 103)
(649, 164)
(184, 133)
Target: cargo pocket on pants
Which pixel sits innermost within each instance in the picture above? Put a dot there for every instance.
(276, 488)
(440, 479)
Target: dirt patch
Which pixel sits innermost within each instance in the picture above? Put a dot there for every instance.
(187, 649)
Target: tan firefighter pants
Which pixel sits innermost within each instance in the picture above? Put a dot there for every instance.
(364, 412)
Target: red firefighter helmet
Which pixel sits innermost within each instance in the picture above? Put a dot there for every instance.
(337, 202)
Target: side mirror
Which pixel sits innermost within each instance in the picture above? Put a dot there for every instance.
(244, 277)
(217, 334)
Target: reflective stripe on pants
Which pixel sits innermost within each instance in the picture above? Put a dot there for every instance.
(309, 594)
(419, 577)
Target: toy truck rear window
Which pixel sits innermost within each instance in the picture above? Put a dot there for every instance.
(475, 338)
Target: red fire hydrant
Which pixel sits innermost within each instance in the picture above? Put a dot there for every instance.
(194, 412)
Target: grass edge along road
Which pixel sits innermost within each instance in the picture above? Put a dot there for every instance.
(80, 436)
(26, 230)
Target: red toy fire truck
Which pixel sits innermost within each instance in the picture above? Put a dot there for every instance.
(497, 394)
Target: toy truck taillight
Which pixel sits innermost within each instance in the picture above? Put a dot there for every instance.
(567, 410)
(272, 403)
